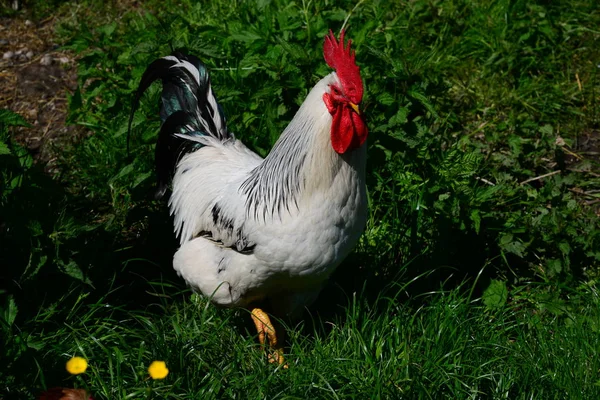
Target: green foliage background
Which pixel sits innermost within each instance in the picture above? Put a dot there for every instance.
(476, 277)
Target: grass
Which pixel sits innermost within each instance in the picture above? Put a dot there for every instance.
(447, 347)
(477, 274)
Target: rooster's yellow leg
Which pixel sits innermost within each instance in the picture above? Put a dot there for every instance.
(266, 332)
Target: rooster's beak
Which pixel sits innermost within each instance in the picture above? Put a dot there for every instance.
(355, 107)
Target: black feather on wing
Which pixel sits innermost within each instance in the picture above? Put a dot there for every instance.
(188, 107)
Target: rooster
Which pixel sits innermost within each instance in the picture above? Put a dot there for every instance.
(262, 233)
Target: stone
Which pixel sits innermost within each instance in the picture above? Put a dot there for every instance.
(46, 60)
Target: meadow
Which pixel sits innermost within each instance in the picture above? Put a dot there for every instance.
(477, 276)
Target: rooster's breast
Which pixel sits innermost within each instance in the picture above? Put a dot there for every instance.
(305, 245)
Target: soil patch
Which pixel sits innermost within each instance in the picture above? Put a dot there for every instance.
(35, 77)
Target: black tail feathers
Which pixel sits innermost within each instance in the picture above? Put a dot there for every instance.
(188, 107)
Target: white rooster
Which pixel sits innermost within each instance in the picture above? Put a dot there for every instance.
(262, 232)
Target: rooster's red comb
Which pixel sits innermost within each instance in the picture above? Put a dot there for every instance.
(341, 59)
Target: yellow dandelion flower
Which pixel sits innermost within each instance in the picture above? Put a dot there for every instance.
(158, 370)
(77, 365)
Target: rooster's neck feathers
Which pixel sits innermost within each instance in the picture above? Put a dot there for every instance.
(277, 184)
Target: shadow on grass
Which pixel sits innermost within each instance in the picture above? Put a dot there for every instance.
(375, 281)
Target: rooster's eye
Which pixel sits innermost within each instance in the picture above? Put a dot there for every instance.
(335, 90)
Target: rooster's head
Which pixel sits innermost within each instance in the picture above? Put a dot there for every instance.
(348, 129)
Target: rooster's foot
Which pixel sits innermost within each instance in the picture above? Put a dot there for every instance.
(266, 332)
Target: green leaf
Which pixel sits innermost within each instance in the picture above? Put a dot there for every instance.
(9, 118)
(4, 150)
(554, 266)
(10, 311)
(565, 248)
(476, 218)
(126, 170)
(386, 99)
(35, 228)
(72, 269)
(546, 129)
(74, 101)
(424, 102)
(510, 244)
(141, 178)
(495, 295)
(400, 117)
(108, 29)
